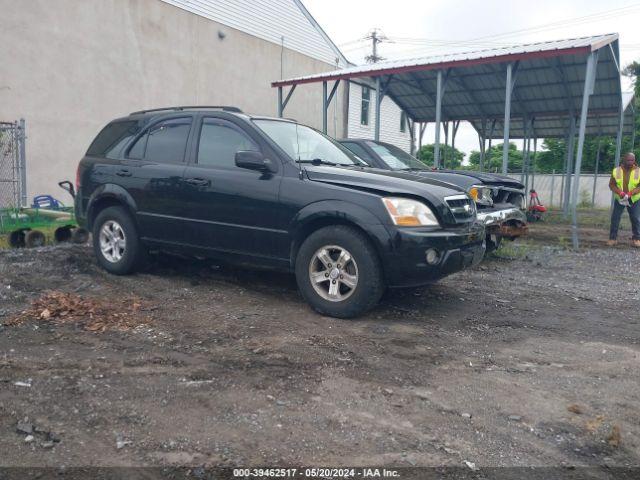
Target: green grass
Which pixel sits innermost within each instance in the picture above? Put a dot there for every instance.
(587, 217)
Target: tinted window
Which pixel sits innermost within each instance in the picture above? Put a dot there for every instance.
(112, 138)
(359, 151)
(306, 144)
(396, 158)
(219, 143)
(165, 142)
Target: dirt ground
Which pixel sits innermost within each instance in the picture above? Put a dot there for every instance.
(530, 359)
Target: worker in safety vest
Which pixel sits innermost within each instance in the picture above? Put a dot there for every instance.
(625, 185)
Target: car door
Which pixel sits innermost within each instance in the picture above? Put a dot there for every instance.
(152, 170)
(232, 209)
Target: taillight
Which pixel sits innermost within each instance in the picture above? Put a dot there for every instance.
(78, 178)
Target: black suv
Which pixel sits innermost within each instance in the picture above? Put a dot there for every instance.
(268, 192)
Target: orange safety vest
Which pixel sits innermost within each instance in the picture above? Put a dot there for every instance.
(634, 181)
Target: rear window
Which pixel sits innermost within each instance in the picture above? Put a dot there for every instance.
(113, 138)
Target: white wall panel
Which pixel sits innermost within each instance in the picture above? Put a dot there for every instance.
(389, 119)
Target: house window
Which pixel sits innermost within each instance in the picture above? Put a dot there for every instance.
(403, 122)
(364, 109)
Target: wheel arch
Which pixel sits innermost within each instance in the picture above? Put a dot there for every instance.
(325, 214)
(109, 196)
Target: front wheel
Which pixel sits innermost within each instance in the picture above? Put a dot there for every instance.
(338, 272)
(115, 241)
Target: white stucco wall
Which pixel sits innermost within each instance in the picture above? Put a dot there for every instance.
(68, 67)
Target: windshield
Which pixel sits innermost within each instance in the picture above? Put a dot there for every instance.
(396, 158)
(306, 144)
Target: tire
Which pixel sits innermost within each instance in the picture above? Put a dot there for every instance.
(62, 234)
(492, 245)
(79, 235)
(34, 239)
(345, 301)
(123, 257)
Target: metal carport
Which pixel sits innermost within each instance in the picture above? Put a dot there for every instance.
(576, 79)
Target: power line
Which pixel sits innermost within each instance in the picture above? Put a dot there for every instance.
(485, 41)
(376, 37)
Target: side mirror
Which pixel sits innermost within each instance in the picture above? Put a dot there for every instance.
(253, 160)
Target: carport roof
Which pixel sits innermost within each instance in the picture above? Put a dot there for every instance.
(558, 126)
(549, 81)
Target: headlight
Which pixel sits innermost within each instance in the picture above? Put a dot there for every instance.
(481, 195)
(405, 212)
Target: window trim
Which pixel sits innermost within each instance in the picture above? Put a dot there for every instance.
(145, 133)
(226, 122)
(364, 100)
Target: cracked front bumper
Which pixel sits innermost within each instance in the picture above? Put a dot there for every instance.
(511, 222)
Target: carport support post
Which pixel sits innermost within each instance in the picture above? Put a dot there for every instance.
(507, 118)
(589, 82)
(378, 102)
(595, 171)
(280, 106)
(569, 167)
(454, 131)
(619, 135)
(436, 145)
(324, 107)
(553, 181)
(488, 149)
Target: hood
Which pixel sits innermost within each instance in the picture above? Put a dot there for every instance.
(463, 182)
(487, 178)
(385, 182)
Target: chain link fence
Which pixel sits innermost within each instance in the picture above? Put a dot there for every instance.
(13, 174)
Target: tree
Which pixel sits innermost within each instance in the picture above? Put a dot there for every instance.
(493, 159)
(449, 157)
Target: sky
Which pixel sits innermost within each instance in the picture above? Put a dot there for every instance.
(428, 27)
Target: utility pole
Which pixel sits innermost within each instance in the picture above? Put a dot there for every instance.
(376, 37)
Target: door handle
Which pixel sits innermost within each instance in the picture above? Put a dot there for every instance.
(198, 182)
(123, 173)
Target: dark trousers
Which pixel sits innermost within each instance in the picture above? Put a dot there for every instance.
(634, 216)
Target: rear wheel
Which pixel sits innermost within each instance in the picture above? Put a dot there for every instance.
(493, 242)
(116, 243)
(34, 239)
(338, 272)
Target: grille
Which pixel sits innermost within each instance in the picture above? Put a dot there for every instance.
(462, 208)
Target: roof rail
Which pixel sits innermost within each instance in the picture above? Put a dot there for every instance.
(192, 107)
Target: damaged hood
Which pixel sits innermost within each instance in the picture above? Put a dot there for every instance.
(485, 178)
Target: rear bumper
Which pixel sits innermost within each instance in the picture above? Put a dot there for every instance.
(457, 248)
(508, 222)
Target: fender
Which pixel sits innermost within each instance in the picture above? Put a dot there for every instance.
(340, 212)
(113, 192)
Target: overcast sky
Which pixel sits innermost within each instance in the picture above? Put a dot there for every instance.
(422, 28)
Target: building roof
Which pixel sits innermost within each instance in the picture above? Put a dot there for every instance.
(549, 80)
(285, 22)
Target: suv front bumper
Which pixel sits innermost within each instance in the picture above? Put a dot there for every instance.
(508, 222)
(406, 263)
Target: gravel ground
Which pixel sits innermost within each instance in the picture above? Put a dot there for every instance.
(530, 359)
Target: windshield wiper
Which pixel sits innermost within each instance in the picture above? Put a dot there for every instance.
(317, 161)
(413, 169)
